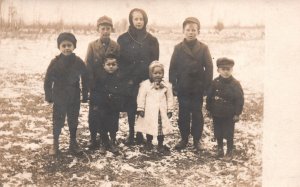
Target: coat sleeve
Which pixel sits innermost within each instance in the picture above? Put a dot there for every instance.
(84, 81)
(89, 59)
(141, 98)
(48, 82)
(208, 68)
(239, 101)
(209, 97)
(170, 101)
(155, 49)
(173, 69)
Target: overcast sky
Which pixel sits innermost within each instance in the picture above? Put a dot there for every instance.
(162, 12)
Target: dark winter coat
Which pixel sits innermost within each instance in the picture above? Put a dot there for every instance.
(108, 91)
(225, 97)
(136, 54)
(61, 83)
(96, 55)
(191, 68)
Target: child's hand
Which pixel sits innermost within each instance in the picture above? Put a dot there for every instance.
(140, 113)
(236, 118)
(169, 114)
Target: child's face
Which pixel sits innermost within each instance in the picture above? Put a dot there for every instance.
(66, 47)
(157, 74)
(138, 20)
(225, 72)
(190, 31)
(104, 31)
(111, 65)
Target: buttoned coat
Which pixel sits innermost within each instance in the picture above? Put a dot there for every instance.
(62, 79)
(191, 69)
(95, 57)
(135, 58)
(225, 97)
(152, 101)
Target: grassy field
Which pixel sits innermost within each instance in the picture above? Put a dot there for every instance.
(26, 127)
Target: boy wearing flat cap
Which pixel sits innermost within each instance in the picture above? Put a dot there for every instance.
(62, 88)
(190, 73)
(225, 100)
(96, 54)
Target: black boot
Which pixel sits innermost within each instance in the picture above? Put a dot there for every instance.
(54, 150)
(93, 143)
(149, 145)
(74, 148)
(113, 147)
(130, 140)
(220, 153)
(160, 147)
(197, 146)
(139, 138)
(182, 144)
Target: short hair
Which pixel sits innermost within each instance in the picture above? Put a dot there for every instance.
(110, 56)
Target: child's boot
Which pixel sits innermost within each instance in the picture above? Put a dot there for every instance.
(130, 139)
(113, 146)
(74, 148)
(229, 154)
(149, 145)
(139, 138)
(220, 152)
(54, 150)
(160, 147)
(197, 146)
(93, 143)
(182, 144)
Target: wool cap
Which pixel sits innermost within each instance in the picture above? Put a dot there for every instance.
(191, 20)
(153, 65)
(142, 12)
(104, 20)
(66, 36)
(225, 62)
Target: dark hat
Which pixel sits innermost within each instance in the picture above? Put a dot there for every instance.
(104, 20)
(225, 62)
(66, 36)
(141, 11)
(191, 20)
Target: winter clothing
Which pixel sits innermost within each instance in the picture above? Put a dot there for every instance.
(66, 36)
(191, 68)
(97, 51)
(191, 20)
(225, 99)
(154, 101)
(104, 20)
(138, 48)
(108, 101)
(225, 62)
(190, 73)
(61, 87)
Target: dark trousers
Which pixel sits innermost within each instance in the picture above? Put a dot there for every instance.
(190, 108)
(224, 129)
(108, 122)
(92, 120)
(131, 107)
(160, 138)
(60, 112)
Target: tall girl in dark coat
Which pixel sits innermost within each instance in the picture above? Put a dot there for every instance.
(138, 48)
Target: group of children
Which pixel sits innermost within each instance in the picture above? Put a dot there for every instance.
(126, 76)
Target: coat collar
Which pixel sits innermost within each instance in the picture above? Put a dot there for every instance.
(192, 51)
(101, 48)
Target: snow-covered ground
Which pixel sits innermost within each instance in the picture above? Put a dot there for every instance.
(25, 126)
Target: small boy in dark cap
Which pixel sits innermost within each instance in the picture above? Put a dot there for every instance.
(191, 72)
(96, 53)
(62, 88)
(108, 101)
(225, 102)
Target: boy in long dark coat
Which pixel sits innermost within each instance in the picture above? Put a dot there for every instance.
(191, 72)
(109, 100)
(62, 88)
(96, 53)
(225, 100)
(138, 48)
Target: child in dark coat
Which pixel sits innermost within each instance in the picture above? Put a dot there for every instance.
(96, 53)
(62, 88)
(225, 102)
(108, 98)
(190, 73)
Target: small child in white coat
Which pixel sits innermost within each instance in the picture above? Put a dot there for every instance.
(155, 106)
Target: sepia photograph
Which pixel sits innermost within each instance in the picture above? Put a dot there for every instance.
(116, 93)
